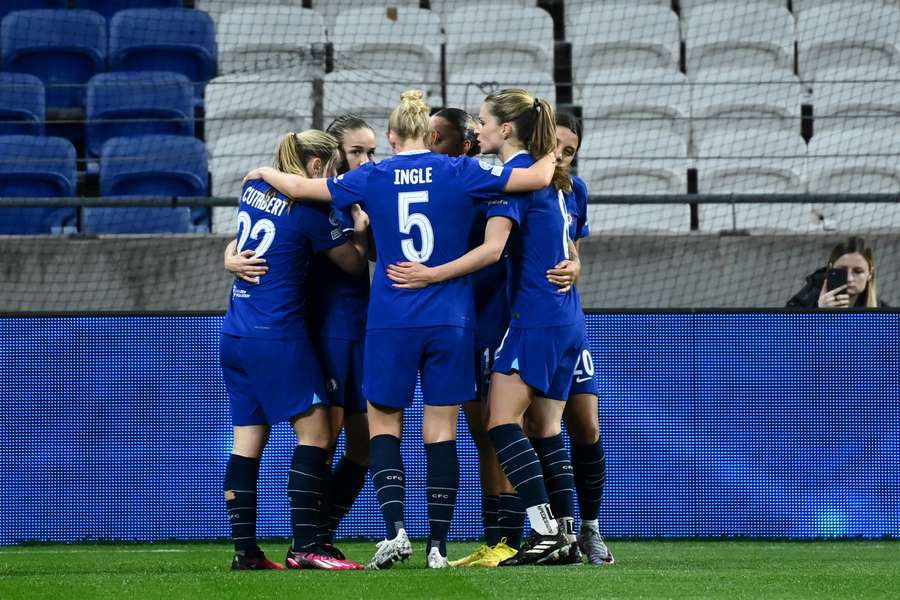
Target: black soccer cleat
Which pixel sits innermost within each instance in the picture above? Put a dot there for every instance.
(569, 556)
(332, 551)
(539, 550)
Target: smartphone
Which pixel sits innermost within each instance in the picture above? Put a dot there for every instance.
(836, 278)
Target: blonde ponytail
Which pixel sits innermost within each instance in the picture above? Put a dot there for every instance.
(534, 124)
(297, 149)
(411, 120)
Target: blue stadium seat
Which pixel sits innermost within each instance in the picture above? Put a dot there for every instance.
(132, 103)
(164, 39)
(64, 48)
(152, 165)
(42, 167)
(22, 110)
(8, 6)
(108, 8)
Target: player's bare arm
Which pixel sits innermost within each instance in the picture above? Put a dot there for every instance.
(536, 177)
(293, 186)
(244, 265)
(566, 273)
(411, 275)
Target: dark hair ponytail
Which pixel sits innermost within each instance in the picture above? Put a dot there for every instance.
(464, 126)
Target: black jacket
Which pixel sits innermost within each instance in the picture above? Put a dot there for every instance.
(808, 297)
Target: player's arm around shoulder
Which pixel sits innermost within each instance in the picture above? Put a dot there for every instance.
(292, 186)
(536, 177)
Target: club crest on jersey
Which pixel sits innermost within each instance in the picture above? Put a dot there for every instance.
(334, 218)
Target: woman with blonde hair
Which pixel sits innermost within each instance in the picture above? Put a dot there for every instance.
(337, 320)
(422, 206)
(852, 264)
(533, 365)
(271, 372)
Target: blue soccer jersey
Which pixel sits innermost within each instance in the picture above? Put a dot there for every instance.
(286, 235)
(577, 206)
(491, 302)
(338, 301)
(540, 241)
(421, 206)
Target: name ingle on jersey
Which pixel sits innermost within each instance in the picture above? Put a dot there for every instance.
(412, 176)
(421, 206)
(263, 201)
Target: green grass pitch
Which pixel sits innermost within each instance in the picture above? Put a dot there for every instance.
(646, 569)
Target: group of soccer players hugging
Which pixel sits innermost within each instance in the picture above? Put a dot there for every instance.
(474, 291)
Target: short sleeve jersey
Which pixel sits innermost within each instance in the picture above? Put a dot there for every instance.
(421, 206)
(539, 243)
(338, 301)
(287, 235)
(576, 205)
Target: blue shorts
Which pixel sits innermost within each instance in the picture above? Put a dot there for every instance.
(270, 380)
(442, 354)
(342, 364)
(583, 381)
(484, 366)
(544, 358)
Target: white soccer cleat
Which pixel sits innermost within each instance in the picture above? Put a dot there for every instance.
(595, 547)
(391, 551)
(436, 560)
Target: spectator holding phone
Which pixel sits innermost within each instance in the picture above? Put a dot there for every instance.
(848, 280)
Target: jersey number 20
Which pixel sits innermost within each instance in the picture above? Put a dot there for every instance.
(408, 221)
(245, 231)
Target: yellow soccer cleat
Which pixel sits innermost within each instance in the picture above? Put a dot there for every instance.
(496, 555)
(466, 561)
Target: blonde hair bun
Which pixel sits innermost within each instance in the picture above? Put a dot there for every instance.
(412, 117)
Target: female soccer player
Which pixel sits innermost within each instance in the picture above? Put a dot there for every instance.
(270, 370)
(337, 319)
(534, 364)
(581, 414)
(421, 209)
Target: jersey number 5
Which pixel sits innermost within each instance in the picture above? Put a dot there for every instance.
(408, 221)
(245, 231)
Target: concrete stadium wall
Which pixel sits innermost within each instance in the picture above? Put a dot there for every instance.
(184, 273)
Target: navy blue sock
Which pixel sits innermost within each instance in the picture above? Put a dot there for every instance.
(589, 464)
(346, 484)
(306, 488)
(520, 463)
(389, 479)
(241, 477)
(490, 505)
(511, 519)
(442, 486)
(557, 474)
